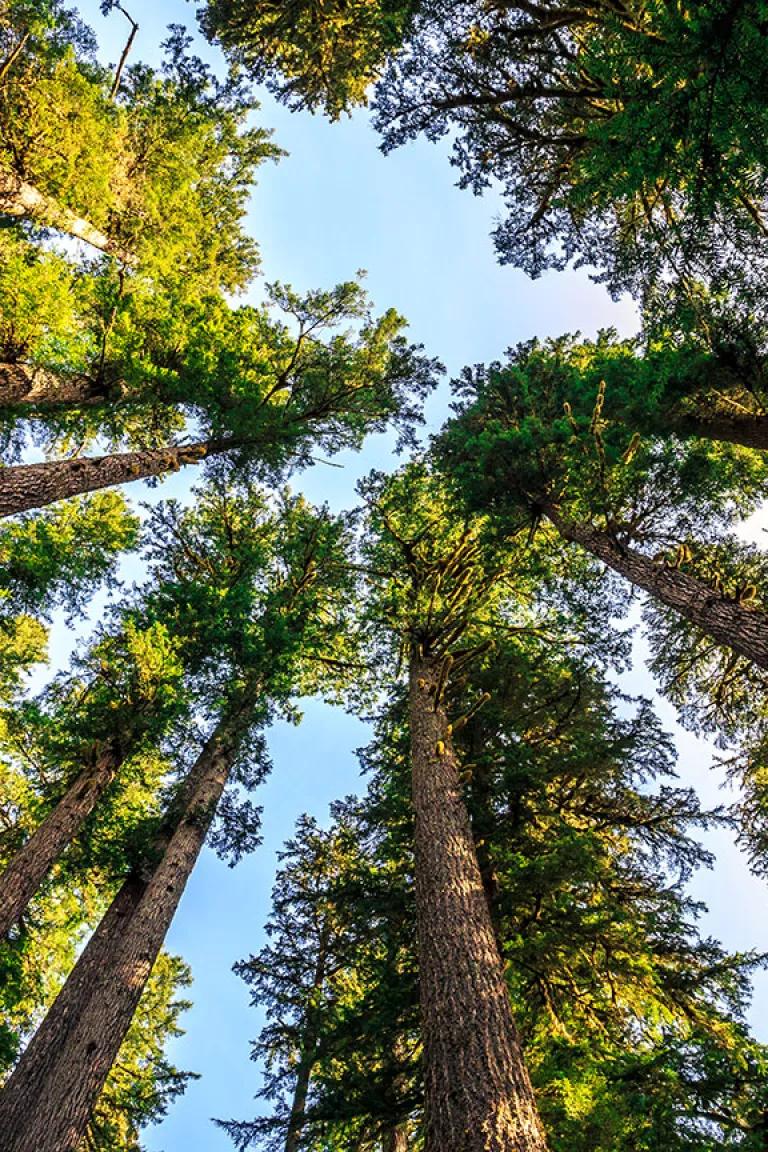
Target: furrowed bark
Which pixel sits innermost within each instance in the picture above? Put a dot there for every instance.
(478, 1093)
(32, 863)
(28, 386)
(27, 486)
(22, 200)
(48, 1101)
(744, 630)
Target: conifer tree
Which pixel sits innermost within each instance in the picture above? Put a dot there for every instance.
(437, 581)
(128, 687)
(633, 1024)
(284, 606)
(332, 980)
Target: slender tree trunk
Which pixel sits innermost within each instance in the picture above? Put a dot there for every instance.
(27, 486)
(478, 1093)
(748, 431)
(27, 386)
(31, 864)
(734, 625)
(48, 1101)
(297, 1118)
(23, 201)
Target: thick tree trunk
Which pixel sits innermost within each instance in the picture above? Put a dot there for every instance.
(742, 629)
(48, 1102)
(23, 201)
(27, 486)
(748, 431)
(27, 386)
(31, 864)
(478, 1092)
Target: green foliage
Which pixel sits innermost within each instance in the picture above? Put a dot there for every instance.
(23, 643)
(55, 560)
(40, 322)
(311, 54)
(252, 580)
(163, 166)
(550, 427)
(629, 135)
(276, 383)
(58, 558)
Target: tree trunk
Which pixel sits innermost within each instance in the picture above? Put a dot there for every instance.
(297, 1118)
(748, 431)
(48, 1101)
(478, 1093)
(27, 386)
(24, 201)
(31, 864)
(27, 486)
(307, 1060)
(395, 1140)
(742, 629)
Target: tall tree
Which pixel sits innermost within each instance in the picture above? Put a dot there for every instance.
(143, 1082)
(329, 981)
(587, 844)
(280, 618)
(633, 1025)
(443, 578)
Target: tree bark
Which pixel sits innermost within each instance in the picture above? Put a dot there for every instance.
(23, 201)
(742, 629)
(29, 386)
(748, 431)
(297, 1117)
(478, 1093)
(31, 864)
(395, 1140)
(48, 1101)
(27, 486)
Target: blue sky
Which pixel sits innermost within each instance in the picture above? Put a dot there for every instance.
(332, 206)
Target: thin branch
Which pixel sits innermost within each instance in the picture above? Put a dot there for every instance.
(126, 50)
